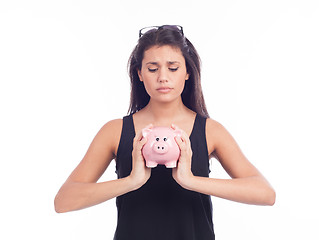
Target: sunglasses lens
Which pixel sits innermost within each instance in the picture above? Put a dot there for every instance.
(147, 29)
(155, 28)
(173, 27)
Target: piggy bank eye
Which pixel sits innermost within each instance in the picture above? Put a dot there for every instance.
(165, 139)
(157, 139)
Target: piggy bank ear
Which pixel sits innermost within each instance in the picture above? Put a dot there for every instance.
(178, 132)
(146, 131)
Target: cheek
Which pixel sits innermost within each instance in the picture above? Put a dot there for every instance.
(181, 80)
(146, 76)
(146, 79)
(146, 82)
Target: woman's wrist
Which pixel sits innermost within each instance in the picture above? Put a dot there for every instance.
(188, 183)
(134, 183)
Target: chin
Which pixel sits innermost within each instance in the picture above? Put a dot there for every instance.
(167, 99)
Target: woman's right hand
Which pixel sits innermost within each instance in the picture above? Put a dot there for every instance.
(140, 173)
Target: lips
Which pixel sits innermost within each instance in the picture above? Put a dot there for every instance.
(164, 89)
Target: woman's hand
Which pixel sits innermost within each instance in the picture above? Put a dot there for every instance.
(140, 173)
(182, 173)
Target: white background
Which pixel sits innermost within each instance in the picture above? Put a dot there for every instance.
(63, 75)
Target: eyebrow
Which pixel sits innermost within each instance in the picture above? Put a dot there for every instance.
(169, 62)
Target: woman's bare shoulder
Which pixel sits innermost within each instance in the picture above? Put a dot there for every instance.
(110, 133)
(213, 126)
(114, 124)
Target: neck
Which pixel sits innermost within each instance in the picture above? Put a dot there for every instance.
(165, 113)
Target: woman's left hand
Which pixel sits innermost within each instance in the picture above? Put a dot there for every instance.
(182, 173)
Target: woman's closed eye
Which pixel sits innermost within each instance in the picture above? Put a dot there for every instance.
(152, 69)
(173, 69)
(155, 69)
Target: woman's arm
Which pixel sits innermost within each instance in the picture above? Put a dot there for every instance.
(81, 190)
(247, 184)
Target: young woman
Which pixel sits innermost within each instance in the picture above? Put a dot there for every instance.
(162, 203)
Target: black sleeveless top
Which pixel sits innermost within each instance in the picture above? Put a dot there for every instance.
(161, 209)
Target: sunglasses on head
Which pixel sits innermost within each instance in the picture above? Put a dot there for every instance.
(156, 28)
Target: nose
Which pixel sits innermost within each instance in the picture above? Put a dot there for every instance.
(163, 75)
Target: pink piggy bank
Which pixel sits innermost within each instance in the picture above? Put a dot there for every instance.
(161, 147)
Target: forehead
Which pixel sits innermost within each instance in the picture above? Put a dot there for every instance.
(164, 53)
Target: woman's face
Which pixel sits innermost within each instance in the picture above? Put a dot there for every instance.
(163, 73)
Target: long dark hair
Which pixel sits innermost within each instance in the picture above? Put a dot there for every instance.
(192, 95)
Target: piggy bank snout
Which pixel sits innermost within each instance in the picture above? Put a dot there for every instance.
(160, 148)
